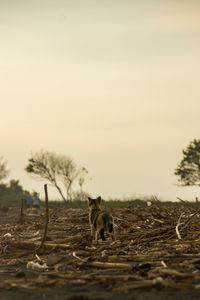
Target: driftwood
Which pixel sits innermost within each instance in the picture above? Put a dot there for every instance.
(29, 245)
(175, 273)
(108, 265)
(147, 255)
(140, 285)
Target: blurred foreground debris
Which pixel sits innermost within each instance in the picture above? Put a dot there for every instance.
(157, 247)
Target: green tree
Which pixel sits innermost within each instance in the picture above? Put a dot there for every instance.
(11, 193)
(15, 187)
(4, 172)
(188, 170)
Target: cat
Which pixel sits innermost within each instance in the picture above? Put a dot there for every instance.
(99, 220)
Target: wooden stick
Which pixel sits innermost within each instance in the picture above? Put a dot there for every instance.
(30, 244)
(22, 207)
(21, 211)
(106, 265)
(184, 201)
(139, 285)
(46, 217)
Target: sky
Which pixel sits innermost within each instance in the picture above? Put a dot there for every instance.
(112, 84)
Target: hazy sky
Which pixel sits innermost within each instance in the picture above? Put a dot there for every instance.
(113, 84)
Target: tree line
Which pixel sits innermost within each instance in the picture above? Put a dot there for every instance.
(58, 170)
(61, 170)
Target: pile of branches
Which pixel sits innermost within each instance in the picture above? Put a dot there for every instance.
(156, 247)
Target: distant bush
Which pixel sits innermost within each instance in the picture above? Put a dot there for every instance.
(11, 193)
(115, 203)
(68, 204)
(11, 200)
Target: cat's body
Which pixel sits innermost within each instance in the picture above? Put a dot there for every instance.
(100, 221)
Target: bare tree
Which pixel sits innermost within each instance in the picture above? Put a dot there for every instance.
(56, 169)
(3, 170)
(45, 165)
(82, 177)
(68, 172)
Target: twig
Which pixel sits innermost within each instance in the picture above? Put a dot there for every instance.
(189, 219)
(184, 201)
(159, 221)
(177, 226)
(38, 258)
(74, 255)
(163, 264)
(186, 222)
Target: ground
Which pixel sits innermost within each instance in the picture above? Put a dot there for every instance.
(156, 254)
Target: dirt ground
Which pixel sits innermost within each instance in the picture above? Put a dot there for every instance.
(156, 254)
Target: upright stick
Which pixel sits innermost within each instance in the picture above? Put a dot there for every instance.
(22, 206)
(46, 217)
(21, 219)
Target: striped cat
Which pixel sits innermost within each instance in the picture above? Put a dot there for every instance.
(100, 221)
